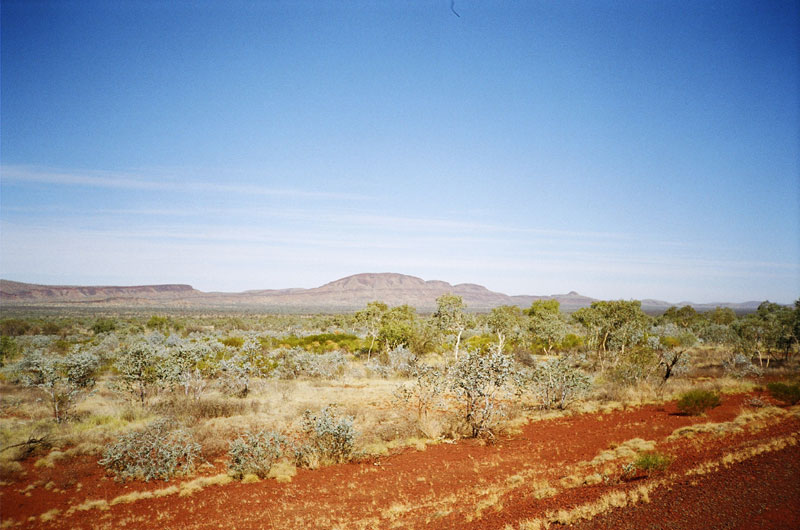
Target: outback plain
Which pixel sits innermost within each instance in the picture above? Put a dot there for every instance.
(605, 416)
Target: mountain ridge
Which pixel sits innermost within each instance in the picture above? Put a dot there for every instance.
(347, 293)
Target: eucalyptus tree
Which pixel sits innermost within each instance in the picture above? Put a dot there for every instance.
(451, 318)
(371, 317)
(507, 322)
(613, 326)
(546, 323)
(398, 326)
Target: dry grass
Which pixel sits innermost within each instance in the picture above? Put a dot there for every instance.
(49, 515)
(282, 471)
(193, 486)
(752, 420)
(139, 495)
(626, 450)
(50, 460)
(776, 444)
(100, 504)
(613, 499)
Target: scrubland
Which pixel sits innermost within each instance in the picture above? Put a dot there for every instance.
(387, 418)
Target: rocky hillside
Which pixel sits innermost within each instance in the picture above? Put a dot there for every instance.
(352, 292)
(31, 293)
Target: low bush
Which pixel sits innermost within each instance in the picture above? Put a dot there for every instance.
(158, 451)
(649, 463)
(557, 381)
(326, 439)
(254, 453)
(788, 393)
(696, 402)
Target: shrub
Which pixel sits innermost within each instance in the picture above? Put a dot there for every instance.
(788, 393)
(739, 365)
(480, 383)
(137, 370)
(327, 439)
(65, 380)
(695, 402)
(399, 361)
(556, 382)
(254, 453)
(649, 463)
(296, 362)
(104, 325)
(158, 451)
(424, 395)
(233, 342)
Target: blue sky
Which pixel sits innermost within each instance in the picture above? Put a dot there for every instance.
(619, 149)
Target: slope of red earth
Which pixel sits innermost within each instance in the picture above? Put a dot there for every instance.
(741, 477)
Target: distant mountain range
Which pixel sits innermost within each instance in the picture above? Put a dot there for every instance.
(352, 292)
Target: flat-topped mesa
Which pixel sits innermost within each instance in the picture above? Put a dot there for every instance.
(10, 290)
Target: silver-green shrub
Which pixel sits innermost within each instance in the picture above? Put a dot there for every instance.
(254, 453)
(65, 380)
(481, 382)
(326, 438)
(159, 451)
(557, 381)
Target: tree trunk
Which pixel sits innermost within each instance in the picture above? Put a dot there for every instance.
(458, 342)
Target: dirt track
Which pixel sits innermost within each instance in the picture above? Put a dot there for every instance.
(744, 475)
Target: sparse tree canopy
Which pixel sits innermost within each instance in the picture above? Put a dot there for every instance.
(451, 318)
(371, 318)
(546, 323)
(397, 326)
(507, 321)
(613, 325)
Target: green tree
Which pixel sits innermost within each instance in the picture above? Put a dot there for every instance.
(771, 328)
(546, 323)
(613, 326)
(451, 318)
(507, 322)
(398, 326)
(371, 318)
(721, 315)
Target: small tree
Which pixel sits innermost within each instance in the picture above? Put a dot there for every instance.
(397, 327)
(425, 394)
(557, 382)
(65, 380)
(673, 355)
(546, 323)
(181, 366)
(613, 326)
(506, 322)
(371, 318)
(450, 317)
(479, 382)
(137, 369)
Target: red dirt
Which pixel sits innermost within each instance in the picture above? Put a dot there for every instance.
(463, 485)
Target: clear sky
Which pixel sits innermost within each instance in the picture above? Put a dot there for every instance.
(622, 149)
